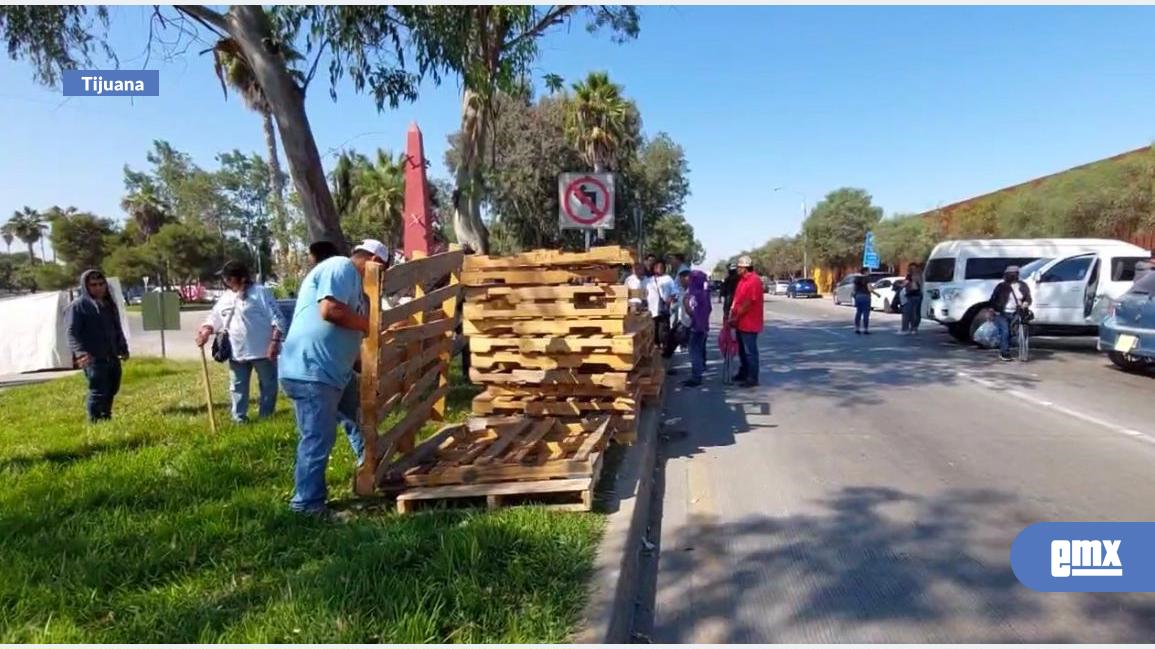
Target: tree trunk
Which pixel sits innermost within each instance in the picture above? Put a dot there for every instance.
(249, 27)
(31, 252)
(280, 221)
(43, 255)
(471, 230)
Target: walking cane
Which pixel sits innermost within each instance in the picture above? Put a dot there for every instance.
(208, 391)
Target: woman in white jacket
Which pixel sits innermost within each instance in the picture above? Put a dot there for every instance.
(255, 326)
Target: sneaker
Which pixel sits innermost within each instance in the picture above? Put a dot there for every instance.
(857, 332)
(738, 378)
(749, 384)
(691, 383)
(865, 333)
(1005, 358)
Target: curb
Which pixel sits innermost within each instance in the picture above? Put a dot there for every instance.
(607, 617)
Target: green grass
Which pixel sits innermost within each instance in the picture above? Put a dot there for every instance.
(150, 529)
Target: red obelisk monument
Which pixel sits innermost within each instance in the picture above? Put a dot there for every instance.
(418, 233)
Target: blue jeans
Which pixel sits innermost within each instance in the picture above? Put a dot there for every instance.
(241, 373)
(697, 354)
(1003, 324)
(348, 415)
(911, 312)
(748, 356)
(861, 312)
(315, 405)
(103, 383)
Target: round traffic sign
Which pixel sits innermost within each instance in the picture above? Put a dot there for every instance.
(587, 200)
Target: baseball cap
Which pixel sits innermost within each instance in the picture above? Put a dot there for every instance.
(744, 262)
(1011, 269)
(375, 248)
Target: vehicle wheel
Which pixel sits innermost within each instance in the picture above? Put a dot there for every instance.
(959, 332)
(1127, 362)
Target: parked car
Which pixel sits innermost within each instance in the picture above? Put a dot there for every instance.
(885, 296)
(780, 287)
(1127, 334)
(802, 288)
(1071, 280)
(844, 290)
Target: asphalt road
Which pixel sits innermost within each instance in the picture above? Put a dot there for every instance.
(870, 489)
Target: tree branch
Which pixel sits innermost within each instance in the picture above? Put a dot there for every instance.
(313, 68)
(206, 17)
(553, 16)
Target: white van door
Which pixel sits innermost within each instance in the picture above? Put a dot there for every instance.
(1066, 289)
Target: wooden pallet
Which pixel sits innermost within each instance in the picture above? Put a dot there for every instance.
(623, 344)
(517, 360)
(500, 456)
(575, 495)
(539, 405)
(542, 275)
(564, 326)
(596, 256)
(613, 380)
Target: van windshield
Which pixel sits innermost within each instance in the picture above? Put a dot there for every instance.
(993, 267)
(1123, 268)
(1026, 271)
(939, 270)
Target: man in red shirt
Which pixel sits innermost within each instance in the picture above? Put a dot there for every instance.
(746, 318)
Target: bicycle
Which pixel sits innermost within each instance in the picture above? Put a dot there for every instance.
(1021, 332)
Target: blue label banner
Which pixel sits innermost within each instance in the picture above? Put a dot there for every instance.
(1086, 557)
(111, 83)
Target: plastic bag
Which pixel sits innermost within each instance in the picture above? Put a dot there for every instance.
(987, 335)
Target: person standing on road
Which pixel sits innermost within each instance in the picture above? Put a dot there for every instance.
(316, 365)
(634, 284)
(862, 292)
(746, 318)
(729, 285)
(255, 326)
(1009, 296)
(697, 305)
(97, 342)
(659, 289)
(912, 300)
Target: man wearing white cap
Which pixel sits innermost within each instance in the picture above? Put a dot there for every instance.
(316, 364)
(746, 318)
(379, 252)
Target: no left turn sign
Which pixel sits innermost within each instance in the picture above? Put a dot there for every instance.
(586, 201)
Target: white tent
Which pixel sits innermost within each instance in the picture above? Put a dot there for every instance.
(32, 334)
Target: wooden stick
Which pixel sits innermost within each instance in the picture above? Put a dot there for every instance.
(208, 391)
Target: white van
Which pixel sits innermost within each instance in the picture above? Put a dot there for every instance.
(1068, 279)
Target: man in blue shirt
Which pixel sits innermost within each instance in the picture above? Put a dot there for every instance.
(316, 364)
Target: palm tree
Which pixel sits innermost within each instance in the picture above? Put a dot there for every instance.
(8, 233)
(28, 226)
(598, 120)
(554, 83)
(233, 70)
(379, 193)
(146, 210)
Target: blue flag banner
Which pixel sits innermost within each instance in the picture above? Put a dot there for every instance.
(111, 83)
(869, 256)
(1086, 557)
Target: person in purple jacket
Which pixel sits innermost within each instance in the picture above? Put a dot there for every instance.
(697, 304)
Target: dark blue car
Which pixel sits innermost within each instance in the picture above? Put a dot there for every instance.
(802, 288)
(1127, 334)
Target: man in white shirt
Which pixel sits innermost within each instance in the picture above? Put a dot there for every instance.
(659, 296)
(634, 283)
(255, 325)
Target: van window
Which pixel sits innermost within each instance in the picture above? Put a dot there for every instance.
(993, 267)
(1071, 270)
(939, 270)
(1123, 268)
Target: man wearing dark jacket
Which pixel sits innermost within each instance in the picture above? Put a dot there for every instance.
(729, 285)
(1008, 297)
(97, 342)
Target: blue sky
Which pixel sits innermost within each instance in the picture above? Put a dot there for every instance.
(921, 106)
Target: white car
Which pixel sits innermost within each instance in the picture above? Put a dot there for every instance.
(779, 287)
(1071, 280)
(883, 297)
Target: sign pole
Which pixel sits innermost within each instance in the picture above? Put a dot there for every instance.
(587, 239)
(162, 326)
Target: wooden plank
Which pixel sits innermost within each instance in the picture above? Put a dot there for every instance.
(370, 381)
(623, 344)
(539, 276)
(415, 271)
(450, 307)
(607, 255)
(509, 489)
(529, 443)
(408, 426)
(594, 440)
(614, 380)
(410, 333)
(421, 385)
(502, 473)
(482, 311)
(505, 438)
(417, 305)
(620, 362)
(531, 293)
(556, 391)
(402, 369)
(423, 452)
(556, 327)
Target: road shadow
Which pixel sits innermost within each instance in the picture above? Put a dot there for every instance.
(874, 564)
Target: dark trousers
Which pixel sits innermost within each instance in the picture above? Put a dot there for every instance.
(748, 357)
(103, 384)
(697, 354)
(911, 312)
(671, 342)
(661, 331)
(862, 312)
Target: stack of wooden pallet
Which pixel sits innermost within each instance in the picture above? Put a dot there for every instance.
(553, 334)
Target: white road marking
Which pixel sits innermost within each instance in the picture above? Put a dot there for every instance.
(1050, 405)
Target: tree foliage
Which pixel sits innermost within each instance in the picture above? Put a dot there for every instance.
(836, 229)
(904, 238)
(81, 239)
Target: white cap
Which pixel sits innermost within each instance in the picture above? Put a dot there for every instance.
(744, 262)
(375, 248)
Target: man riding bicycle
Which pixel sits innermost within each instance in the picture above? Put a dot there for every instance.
(1010, 296)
